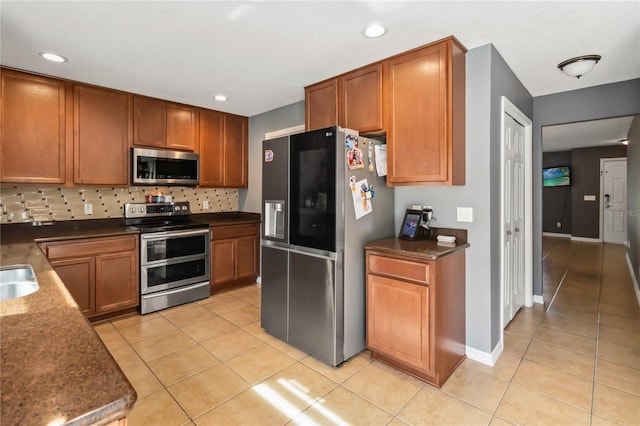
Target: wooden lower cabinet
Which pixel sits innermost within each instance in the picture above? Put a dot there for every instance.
(416, 313)
(100, 273)
(235, 251)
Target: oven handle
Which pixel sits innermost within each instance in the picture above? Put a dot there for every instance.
(175, 290)
(164, 235)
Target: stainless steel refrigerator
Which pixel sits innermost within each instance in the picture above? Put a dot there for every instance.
(322, 202)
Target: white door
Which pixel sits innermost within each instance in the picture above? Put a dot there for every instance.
(513, 265)
(614, 201)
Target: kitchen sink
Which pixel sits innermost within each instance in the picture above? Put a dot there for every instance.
(17, 281)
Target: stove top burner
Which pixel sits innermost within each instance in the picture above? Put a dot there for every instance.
(160, 217)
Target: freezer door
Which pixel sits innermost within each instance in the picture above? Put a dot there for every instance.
(274, 313)
(316, 307)
(275, 189)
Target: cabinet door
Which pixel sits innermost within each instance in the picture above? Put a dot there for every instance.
(247, 259)
(182, 127)
(116, 281)
(211, 148)
(101, 136)
(321, 105)
(417, 145)
(149, 122)
(78, 275)
(223, 262)
(361, 99)
(398, 321)
(32, 143)
(235, 151)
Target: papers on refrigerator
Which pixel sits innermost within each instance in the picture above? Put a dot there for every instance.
(381, 160)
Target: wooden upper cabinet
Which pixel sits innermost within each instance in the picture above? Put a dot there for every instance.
(223, 150)
(161, 124)
(235, 151)
(361, 106)
(426, 116)
(211, 148)
(101, 136)
(149, 122)
(182, 127)
(33, 135)
(321, 105)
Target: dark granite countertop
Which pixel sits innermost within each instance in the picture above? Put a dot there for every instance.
(422, 249)
(54, 367)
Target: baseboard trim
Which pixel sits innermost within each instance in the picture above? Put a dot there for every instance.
(634, 278)
(485, 358)
(586, 240)
(538, 299)
(555, 235)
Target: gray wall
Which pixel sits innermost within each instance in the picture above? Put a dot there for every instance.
(633, 193)
(556, 202)
(487, 79)
(593, 103)
(250, 200)
(586, 181)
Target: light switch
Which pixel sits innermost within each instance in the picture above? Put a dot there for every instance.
(465, 214)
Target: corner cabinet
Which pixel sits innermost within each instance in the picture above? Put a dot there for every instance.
(100, 273)
(235, 251)
(33, 135)
(426, 115)
(102, 135)
(416, 313)
(224, 144)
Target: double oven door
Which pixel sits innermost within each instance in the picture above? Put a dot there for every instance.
(173, 259)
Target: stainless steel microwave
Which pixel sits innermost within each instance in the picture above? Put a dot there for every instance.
(164, 167)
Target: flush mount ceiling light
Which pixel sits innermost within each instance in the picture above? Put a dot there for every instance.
(624, 141)
(577, 67)
(53, 57)
(220, 98)
(374, 31)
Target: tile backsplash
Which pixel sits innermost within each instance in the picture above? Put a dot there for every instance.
(30, 204)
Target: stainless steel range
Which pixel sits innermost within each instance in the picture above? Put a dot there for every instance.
(175, 264)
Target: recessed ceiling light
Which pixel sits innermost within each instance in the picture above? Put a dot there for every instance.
(374, 31)
(220, 98)
(53, 57)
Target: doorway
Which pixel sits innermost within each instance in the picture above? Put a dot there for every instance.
(613, 200)
(515, 219)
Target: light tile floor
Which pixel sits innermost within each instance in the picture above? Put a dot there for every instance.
(575, 363)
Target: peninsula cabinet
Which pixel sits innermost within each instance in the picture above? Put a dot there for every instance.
(100, 273)
(32, 141)
(426, 115)
(163, 124)
(223, 150)
(415, 313)
(101, 136)
(352, 100)
(235, 251)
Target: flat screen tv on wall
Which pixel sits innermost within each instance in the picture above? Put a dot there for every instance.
(556, 176)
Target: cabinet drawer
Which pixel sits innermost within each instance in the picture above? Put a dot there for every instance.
(398, 268)
(89, 247)
(226, 232)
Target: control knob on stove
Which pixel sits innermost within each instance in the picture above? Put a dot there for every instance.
(141, 209)
(132, 209)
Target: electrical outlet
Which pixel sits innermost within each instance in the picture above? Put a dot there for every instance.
(205, 204)
(88, 208)
(558, 224)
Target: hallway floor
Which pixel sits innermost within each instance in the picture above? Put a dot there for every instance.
(576, 363)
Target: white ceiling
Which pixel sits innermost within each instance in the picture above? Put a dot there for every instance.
(262, 53)
(565, 137)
